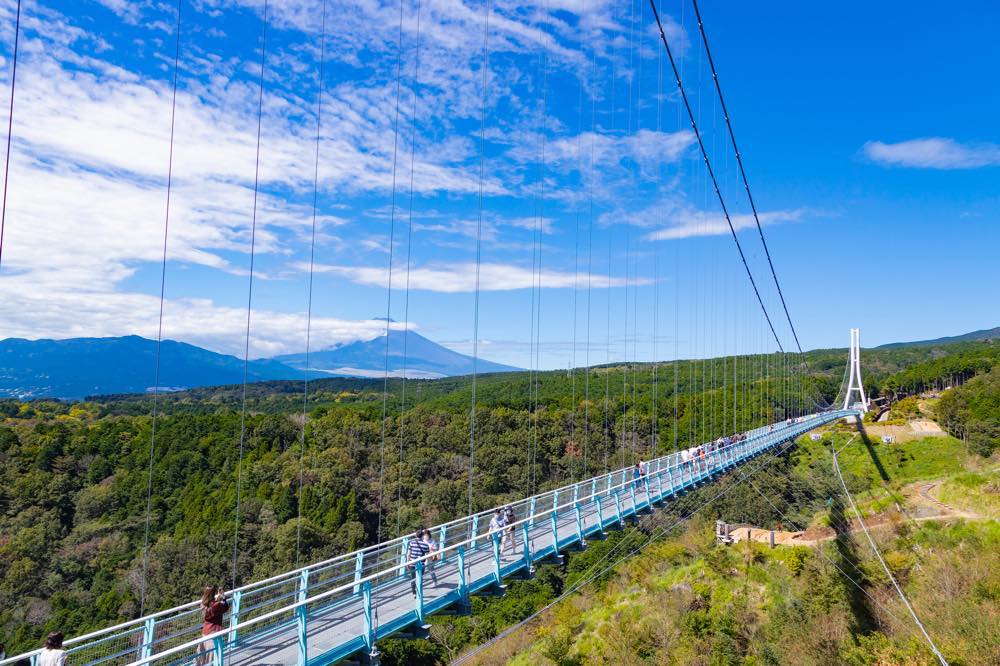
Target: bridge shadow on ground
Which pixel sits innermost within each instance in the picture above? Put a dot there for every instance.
(848, 561)
(871, 451)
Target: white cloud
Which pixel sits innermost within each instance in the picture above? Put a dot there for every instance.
(617, 160)
(90, 311)
(457, 278)
(91, 137)
(691, 223)
(933, 153)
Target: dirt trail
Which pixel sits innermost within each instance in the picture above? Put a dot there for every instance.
(925, 506)
(926, 494)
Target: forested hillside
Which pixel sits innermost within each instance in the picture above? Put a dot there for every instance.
(689, 600)
(73, 501)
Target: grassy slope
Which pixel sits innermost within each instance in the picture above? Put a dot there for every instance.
(689, 601)
(973, 491)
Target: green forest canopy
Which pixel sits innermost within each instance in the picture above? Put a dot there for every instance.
(72, 506)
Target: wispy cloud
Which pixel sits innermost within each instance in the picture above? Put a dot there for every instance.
(85, 216)
(933, 153)
(199, 321)
(701, 223)
(461, 277)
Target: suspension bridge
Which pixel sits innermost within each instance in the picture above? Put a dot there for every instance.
(339, 608)
(331, 610)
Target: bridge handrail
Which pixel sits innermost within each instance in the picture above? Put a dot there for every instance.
(291, 574)
(393, 565)
(197, 643)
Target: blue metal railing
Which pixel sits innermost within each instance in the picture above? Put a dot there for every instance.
(275, 619)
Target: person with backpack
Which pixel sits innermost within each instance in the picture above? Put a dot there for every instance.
(213, 611)
(416, 549)
(52, 654)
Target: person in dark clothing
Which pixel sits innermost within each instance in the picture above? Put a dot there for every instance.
(213, 611)
(509, 518)
(417, 548)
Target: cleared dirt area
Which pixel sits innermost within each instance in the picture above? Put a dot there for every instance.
(914, 429)
(921, 505)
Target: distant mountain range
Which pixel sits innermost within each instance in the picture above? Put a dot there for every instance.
(985, 334)
(409, 352)
(79, 367)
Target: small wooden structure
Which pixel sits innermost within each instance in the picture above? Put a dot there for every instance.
(722, 532)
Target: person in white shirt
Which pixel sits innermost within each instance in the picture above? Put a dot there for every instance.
(52, 654)
(432, 547)
(497, 523)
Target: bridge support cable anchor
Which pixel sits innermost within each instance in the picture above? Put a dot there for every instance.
(218, 651)
(463, 585)
(529, 563)
(302, 627)
(234, 615)
(148, 635)
(419, 586)
(358, 568)
(366, 605)
(581, 542)
(497, 564)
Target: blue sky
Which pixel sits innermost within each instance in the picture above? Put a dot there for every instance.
(869, 135)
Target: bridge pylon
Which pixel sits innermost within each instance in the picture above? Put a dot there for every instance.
(854, 383)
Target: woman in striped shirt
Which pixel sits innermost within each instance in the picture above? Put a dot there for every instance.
(417, 548)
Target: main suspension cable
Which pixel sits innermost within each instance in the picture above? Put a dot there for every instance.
(743, 174)
(878, 554)
(711, 173)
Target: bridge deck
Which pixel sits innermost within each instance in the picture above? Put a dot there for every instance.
(333, 609)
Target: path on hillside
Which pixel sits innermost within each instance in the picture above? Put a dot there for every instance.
(920, 493)
(926, 493)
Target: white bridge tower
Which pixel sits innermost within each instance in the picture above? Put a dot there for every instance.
(854, 382)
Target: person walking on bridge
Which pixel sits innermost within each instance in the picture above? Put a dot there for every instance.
(417, 548)
(497, 524)
(432, 547)
(509, 518)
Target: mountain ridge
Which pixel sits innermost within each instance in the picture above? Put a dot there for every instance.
(78, 367)
(984, 334)
(409, 353)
